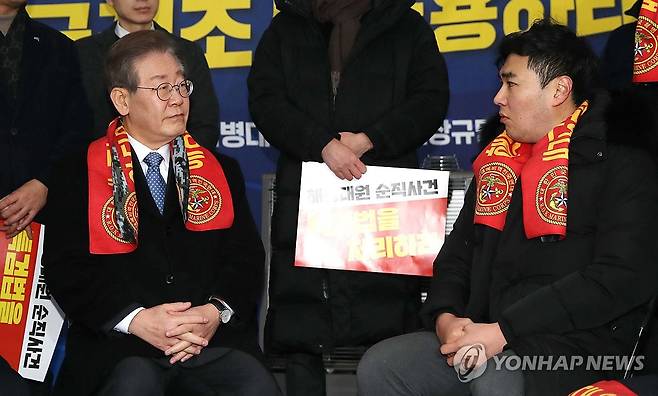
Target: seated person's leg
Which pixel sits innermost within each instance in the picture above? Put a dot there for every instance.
(10, 382)
(232, 373)
(136, 376)
(409, 364)
(645, 385)
(305, 375)
(498, 380)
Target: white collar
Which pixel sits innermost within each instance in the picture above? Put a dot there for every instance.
(141, 151)
(120, 31)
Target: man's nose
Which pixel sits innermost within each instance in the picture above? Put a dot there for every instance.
(499, 99)
(176, 97)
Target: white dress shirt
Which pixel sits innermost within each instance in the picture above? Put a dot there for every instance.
(120, 31)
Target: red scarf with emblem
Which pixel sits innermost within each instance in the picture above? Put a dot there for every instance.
(544, 171)
(645, 61)
(113, 216)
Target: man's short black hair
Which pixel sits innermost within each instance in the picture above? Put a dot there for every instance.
(553, 50)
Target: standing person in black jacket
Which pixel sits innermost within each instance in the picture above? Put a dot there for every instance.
(132, 16)
(42, 112)
(350, 84)
(42, 117)
(552, 259)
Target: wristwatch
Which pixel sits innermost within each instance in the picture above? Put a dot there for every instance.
(225, 312)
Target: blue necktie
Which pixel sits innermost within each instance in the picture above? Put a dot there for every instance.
(154, 179)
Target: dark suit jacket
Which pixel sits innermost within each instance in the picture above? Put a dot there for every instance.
(50, 116)
(203, 122)
(170, 264)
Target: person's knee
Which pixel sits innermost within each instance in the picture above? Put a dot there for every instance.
(134, 376)
(235, 373)
(498, 380)
(261, 382)
(373, 365)
(407, 365)
(384, 365)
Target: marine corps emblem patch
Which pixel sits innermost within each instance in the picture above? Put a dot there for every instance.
(204, 202)
(496, 183)
(646, 46)
(551, 197)
(109, 219)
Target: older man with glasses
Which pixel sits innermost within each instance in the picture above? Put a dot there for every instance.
(133, 16)
(153, 253)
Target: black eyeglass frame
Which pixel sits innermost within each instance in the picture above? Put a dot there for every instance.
(169, 92)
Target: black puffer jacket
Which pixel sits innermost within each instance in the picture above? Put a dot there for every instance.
(393, 87)
(585, 295)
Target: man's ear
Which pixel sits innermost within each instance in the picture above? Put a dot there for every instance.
(120, 100)
(562, 88)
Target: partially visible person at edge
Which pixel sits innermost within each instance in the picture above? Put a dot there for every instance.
(348, 83)
(133, 16)
(553, 255)
(619, 53)
(151, 250)
(42, 117)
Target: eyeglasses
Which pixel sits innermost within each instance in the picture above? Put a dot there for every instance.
(165, 90)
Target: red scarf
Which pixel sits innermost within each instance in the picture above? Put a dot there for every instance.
(646, 45)
(544, 171)
(199, 178)
(604, 388)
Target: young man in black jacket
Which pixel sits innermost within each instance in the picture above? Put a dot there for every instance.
(553, 258)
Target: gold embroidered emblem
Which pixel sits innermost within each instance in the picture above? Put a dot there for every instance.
(496, 183)
(204, 202)
(551, 198)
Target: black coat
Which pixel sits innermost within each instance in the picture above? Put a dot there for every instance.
(585, 295)
(393, 87)
(50, 118)
(203, 122)
(170, 264)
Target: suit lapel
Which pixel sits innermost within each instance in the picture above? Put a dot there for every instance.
(106, 38)
(171, 204)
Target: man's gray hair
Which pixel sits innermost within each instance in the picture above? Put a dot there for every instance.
(120, 61)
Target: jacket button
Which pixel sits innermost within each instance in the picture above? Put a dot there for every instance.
(13, 131)
(613, 328)
(170, 279)
(599, 154)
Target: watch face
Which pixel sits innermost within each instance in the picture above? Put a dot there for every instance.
(225, 315)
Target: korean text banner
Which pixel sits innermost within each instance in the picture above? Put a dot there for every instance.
(30, 321)
(391, 220)
(467, 32)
